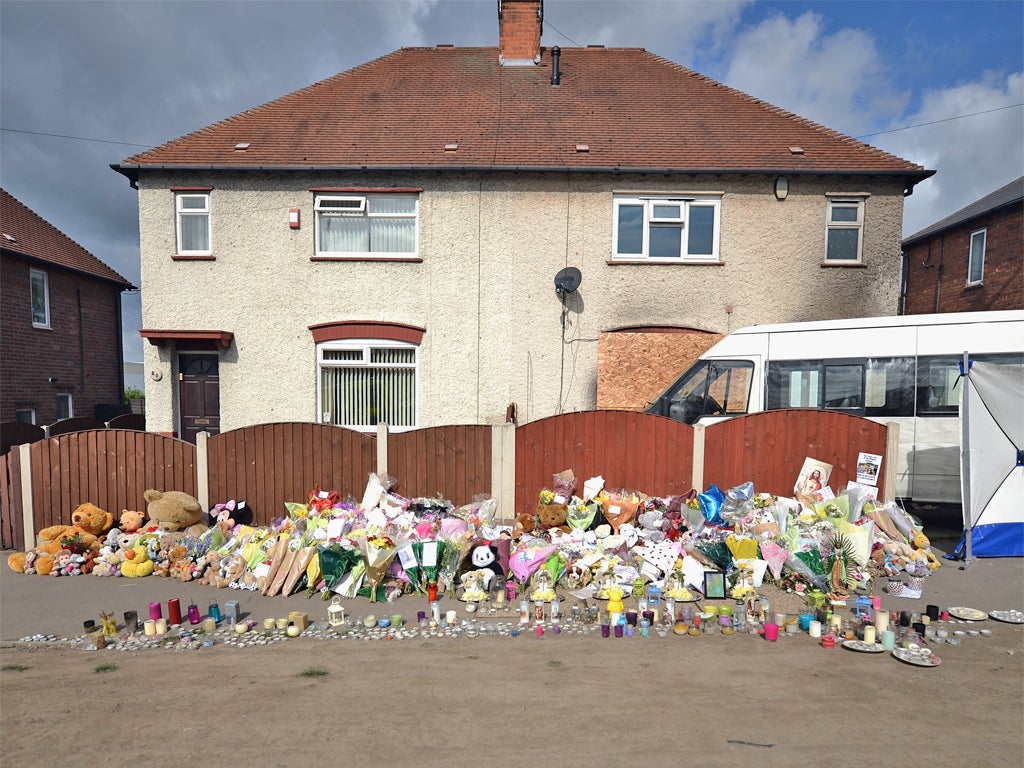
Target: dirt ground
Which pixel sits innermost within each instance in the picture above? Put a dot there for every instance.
(554, 700)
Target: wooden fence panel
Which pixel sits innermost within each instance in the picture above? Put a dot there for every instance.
(74, 424)
(12, 528)
(269, 464)
(633, 451)
(135, 421)
(453, 462)
(15, 433)
(769, 448)
(105, 467)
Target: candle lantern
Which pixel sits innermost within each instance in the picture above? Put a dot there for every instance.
(231, 611)
(336, 613)
(193, 614)
(653, 595)
(214, 611)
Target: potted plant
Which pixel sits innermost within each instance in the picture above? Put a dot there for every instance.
(136, 399)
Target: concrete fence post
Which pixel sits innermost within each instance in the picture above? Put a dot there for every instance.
(382, 448)
(203, 470)
(503, 470)
(698, 457)
(28, 517)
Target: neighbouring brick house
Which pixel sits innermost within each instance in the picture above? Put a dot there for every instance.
(60, 335)
(382, 245)
(971, 260)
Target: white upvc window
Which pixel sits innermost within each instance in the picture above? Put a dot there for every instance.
(666, 229)
(976, 258)
(844, 230)
(65, 406)
(40, 288)
(360, 225)
(25, 415)
(193, 216)
(362, 382)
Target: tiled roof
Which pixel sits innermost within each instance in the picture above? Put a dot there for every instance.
(1008, 195)
(24, 231)
(632, 110)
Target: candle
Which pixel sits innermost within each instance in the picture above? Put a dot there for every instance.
(450, 617)
(837, 622)
(161, 626)
(174, 610)
(282, 623)
(209, 625)
(876, 602)
(889, 640)
(814, 629)
(269, 623)
(154, 611)
(869, 634)
(618, 630)
(881, 621)
(150, 626)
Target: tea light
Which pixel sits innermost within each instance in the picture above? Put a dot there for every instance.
(293, 630)
(241, 628)
(814, 629)
(470, 607)
(149, 627)
(282, 623)
(269, 623)
(869, 634)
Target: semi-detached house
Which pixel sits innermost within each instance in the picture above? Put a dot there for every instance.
(383, 245)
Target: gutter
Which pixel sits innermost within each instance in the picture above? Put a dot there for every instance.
(131, 171)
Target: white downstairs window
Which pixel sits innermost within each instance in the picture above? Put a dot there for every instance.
(363, 382)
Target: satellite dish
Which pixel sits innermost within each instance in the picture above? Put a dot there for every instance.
(567, 280)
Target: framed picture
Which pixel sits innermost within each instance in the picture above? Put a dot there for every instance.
(714, 585)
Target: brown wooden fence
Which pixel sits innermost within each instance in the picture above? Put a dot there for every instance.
(451, 462)
(270, 464)
(629, 450)
(769, 448)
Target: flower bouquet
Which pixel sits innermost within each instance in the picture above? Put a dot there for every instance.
(378, 550)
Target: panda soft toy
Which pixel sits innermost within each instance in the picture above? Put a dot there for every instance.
(484, 557)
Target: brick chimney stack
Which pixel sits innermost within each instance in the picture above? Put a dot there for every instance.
(519, 28)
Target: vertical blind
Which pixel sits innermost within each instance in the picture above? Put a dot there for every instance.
(360, 392)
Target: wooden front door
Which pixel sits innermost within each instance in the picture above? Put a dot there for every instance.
(199, 395)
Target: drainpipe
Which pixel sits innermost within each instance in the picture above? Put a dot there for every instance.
(556, 55)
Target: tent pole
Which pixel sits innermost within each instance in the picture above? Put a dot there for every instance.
(965, 463)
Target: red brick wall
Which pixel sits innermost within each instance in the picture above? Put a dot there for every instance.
(519, 29)
(946, 256)
(81, 349)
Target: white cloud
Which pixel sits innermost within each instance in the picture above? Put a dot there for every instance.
(973, 156)
(838, 80)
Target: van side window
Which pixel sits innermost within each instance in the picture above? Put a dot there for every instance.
(889, 386)
(794, 385)
(937, 387)
(881, 386)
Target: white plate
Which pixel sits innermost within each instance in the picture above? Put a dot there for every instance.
(916, 659)
(862, 647)
(1011, 617)
(968, 614)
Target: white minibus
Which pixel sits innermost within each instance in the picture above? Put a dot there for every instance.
(903, 369)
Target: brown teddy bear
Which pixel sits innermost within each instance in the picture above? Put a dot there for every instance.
(174, 511)
(132, 520)
(87, 522)
(552, 516)
(231, 568)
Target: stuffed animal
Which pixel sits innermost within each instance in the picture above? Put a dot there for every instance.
(207, 567)
(921, 543)
(87, 522)
(30, 561)
(132, 520)
(62, 565)
(229, 514)
(174, 511)
(137, 562)
(552, 516)
(231, 568)
(484, 558)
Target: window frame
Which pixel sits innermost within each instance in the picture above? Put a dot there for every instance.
(65, 397)
(845, 201)
(366, 347)
(181, 212)
(899, 391)
(364, 211)
(31, 415)
(650, 221)
(32, 275)
(971, 255)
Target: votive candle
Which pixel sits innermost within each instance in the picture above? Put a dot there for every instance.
(161, 626)
(814, 629)
(150, 626)
(869, 634)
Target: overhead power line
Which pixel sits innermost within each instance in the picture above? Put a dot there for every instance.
(77, 138)
(943, 120)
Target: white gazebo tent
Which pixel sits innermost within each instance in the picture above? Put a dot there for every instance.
(992, 460)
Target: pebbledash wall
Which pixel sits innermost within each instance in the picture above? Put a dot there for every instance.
(489, 245)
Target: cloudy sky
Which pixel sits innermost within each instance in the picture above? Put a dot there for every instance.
(86, 84)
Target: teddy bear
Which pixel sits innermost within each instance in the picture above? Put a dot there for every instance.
(137, 562)
(230, 569)
(132, 520)
(174, 511)
(552, 516)
(923, 545)
(87, 522)
(207, 566)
